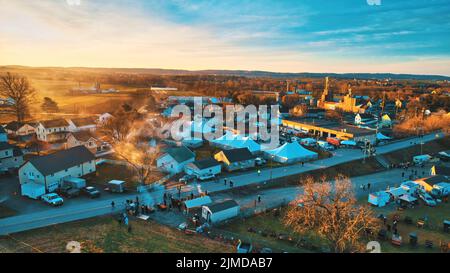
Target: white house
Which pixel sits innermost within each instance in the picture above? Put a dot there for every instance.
(219, 212)
(49, 171)
(52, 130)
(11, 157)
(104, 118)
(19, 128)
(204, 169)
(3, 135)
(174, 159)
(85, 138)
(82, 124)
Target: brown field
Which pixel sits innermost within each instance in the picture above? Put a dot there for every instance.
(105, 234)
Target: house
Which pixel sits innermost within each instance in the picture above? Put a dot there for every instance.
(17, 128)
(49, 171)
(3, 135)
(236, 159)
(52, 130)
(103, 118)
(386, 121)
(427, 183)
(85, 138)
(11, 157)
(364, 119)
(203, 169)
(82, 124)
(218, 212)
(174, 159)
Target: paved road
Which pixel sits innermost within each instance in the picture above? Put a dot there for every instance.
(78, 211)
(271, 198)
(339, 156)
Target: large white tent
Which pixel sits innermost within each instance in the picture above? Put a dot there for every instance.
(290, 152)
(231, 141)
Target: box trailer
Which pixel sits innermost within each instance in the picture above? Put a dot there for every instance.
(421, 159)
(32, 190)
(116, 186)
(74, 182)
(379, 199)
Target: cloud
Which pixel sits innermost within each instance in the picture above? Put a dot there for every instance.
(286, 36)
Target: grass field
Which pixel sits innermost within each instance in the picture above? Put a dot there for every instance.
(407, 154)
(105, 234)
(6, 212)
(268, 222)
(433, 231)
(107, 172)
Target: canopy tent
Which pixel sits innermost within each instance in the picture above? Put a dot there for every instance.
(380, 136)
(290, 152)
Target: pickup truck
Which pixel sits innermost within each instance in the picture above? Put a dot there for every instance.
(69, 192)
(52, 199)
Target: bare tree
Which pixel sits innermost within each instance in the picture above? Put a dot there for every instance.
(330, 209)
(17, 88)
(141, 157)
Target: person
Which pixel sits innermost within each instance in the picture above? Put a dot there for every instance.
(113, 204)
(259, 198)
(225, 181)
(303, 163)
(364, 187)
(368, 186)
(259, 172)
(231, 184)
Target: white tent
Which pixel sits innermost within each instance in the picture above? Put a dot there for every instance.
(290, 152)
(380, 136)
(230, 141)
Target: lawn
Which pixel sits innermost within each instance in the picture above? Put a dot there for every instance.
(433, 232)
(107, 172)
(105, 234)
(407, 154)
(270, 222)
(6, 212)
(266, 224)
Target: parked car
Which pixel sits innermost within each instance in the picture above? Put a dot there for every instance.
(52, 199)
(260, 161)
(187, 178)
(429, 201)
(69, 192)
(91, 192)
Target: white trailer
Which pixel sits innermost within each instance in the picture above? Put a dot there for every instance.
(32, 190)
(74, 182)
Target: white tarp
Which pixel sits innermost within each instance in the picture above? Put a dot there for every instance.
(380, 136)
(197, 202)
(290, 152)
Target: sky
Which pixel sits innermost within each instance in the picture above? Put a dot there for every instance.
(397, 36)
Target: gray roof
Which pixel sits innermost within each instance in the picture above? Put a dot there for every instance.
(222, 205)
(79, 122)
(6, 146)
(61, 160)
(236, 155)
(54, 123)
(180, 154)
(206, 163)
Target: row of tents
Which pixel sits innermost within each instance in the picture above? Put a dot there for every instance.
(289, 152)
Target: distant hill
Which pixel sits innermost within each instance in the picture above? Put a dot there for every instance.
(243, 73)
